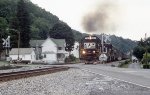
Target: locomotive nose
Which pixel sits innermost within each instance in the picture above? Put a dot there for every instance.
(93, 51)
(83, 52)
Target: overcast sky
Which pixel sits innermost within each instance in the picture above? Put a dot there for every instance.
(132, 16)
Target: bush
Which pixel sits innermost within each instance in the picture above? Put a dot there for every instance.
(124, 64)
(146, 66)
(144, 58)
(70, 58)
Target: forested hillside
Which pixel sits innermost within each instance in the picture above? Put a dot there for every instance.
(124, 45)
(44, 23)
(41, 20)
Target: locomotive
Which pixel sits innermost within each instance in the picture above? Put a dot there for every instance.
(89, 49)
(93, 49)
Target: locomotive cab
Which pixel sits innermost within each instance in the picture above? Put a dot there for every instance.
(89, 49)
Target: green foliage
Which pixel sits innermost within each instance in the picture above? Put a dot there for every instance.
(138, 52)
(146, 66)
(9, 67)
(3, 32)
(124, 45)
(141, 48)
(63, 31)
(77, 35)
(41, 20)
(146, 58)
(23, 23)
(13, 32)
(70, 58)
(43, 27)
(124, 64)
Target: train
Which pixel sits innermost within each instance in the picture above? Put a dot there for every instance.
(89, 49)
(93, 49)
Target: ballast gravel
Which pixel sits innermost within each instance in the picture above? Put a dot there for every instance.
(72, 82)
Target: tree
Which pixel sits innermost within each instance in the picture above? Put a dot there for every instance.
(141, 42)
(23, 23)
(43, 27)
(146, 58)
(13, 32)
(77, 35)
(62, 31)
(3, 32)
(138, 52)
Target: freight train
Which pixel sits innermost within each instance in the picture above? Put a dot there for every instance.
(92, 50)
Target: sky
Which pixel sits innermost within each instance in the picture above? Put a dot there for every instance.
(131, 18)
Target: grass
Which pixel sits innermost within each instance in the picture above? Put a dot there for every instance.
(124, 64)
(4, 65)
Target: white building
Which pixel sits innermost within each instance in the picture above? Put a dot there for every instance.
(50, 50)
(24, 54)
(75, 51)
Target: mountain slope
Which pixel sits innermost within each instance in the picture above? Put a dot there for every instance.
(125, 45)
(41, 20)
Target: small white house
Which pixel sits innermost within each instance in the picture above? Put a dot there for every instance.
(51, 50)
(25, 54)
(75, 51)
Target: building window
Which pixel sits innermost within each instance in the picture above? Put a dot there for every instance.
(59, 48)
(60, 55)
(44, 55)
(105, 50)
(77, 47)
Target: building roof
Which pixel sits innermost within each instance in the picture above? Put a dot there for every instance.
(58, 42)
(14, 51)
(34, 43)
(48, 52)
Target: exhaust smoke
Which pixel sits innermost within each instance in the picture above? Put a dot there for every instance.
(104, 18)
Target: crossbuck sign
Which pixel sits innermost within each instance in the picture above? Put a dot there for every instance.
(6, 42)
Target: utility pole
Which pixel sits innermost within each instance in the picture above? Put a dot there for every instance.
(146, 49)
(102, 43)
(18, 43)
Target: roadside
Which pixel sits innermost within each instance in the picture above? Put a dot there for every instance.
(135, 65)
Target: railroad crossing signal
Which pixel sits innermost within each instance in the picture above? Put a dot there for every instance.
(6, 42)
(107, 38)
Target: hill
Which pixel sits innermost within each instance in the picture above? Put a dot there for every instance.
(124, 45)
(42, 21)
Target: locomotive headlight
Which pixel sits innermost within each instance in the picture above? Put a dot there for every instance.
(94, 51)
(83, 52)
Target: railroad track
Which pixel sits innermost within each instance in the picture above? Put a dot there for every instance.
(29, 73)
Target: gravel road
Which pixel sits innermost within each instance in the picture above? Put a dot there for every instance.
(75, 81)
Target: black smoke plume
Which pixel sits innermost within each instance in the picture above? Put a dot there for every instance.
(103, 19)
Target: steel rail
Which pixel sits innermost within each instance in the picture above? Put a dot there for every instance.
(29, 73)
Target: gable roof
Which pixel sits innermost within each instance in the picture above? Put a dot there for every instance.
(58, 42)
(34, 43)
(14, 51)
